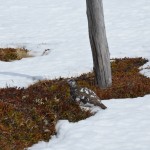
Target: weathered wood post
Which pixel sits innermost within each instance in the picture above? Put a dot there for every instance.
(98, 41)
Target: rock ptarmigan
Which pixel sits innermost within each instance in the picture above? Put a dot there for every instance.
(84, 95)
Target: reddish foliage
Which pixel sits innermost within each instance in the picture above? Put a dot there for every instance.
(30, 115)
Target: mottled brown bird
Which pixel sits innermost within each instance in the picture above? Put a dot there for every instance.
(84, 95)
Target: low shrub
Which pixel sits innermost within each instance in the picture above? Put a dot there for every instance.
(30, 115)
(11, 54)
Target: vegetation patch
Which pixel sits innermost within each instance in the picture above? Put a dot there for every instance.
(11, 54)
(127, 81)
(30, 115)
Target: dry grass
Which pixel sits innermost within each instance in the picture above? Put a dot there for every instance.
(11, 54)
(30, 115)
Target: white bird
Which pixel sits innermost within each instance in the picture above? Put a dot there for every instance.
(84, 95)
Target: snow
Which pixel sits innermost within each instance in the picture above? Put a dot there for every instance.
(124, 125)
(61, 26)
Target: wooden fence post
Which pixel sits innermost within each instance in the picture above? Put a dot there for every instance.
(98, 41)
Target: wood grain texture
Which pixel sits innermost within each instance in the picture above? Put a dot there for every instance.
(98, 41)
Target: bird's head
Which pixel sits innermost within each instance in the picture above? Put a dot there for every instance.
(72, 83)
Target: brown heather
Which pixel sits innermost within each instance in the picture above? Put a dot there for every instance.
(11, 54)
(30, 115)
